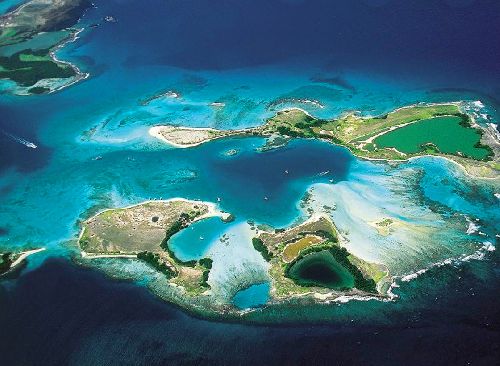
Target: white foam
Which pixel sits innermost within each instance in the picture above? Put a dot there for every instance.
(477, 255)
(412, 276)
(345, 298)
(472, 228)
(478, 104)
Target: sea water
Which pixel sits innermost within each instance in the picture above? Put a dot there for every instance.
(93, 152)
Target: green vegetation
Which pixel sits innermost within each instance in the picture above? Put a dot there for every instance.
(6, 262)
(183, 221)
(406, 129)
(207, 264)
(27, 67)
(449, 135)
(84, 241)
(10, 36)
(155, 261)
(38, 90)
(385, 222)
(330, 235)
(360, 282)
(320, 269)
(259, 246)
(177, 226)
(32, 57)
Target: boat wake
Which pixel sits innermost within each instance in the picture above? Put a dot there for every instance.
(20, 140)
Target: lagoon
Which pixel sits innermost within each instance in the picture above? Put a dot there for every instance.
(253, 296)
(321, 269)
(446, 133)
(196, 240)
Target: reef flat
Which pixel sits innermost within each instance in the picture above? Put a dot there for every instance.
(417, 130)
(29, 37)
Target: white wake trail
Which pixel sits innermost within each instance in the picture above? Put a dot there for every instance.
(20, 140)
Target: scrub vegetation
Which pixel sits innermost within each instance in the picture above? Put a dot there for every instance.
(144, 230)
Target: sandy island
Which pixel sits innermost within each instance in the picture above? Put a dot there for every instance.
(184, 137)
(20, 257)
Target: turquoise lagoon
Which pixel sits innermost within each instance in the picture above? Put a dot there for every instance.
(94, 152)
(253, 296)
(8, 5)
(194, 242)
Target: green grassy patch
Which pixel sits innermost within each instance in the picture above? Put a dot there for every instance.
(38, 90)
(448, 135)
(29, 57)
(27, 67)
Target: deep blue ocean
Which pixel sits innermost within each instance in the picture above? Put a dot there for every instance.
(94, 152)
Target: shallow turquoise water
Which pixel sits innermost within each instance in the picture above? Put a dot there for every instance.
(46, 191)
(6, 5)
(253, 296)
(357, 55)
(193, 242)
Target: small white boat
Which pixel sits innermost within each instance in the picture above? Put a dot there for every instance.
(21, 140)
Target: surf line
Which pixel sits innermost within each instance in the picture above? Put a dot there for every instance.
(20, 140)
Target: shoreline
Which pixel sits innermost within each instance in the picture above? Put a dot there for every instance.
(50, 84)
(73, 37)
(212, 211)
(25, 255)
(155, 132)
(21, 258)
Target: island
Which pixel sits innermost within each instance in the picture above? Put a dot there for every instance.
(424, 129)
(307, 259)
(11, 260)
(310, 258)
(30, 35)
(143, 231)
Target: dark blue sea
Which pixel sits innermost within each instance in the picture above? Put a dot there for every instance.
(366, 55)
